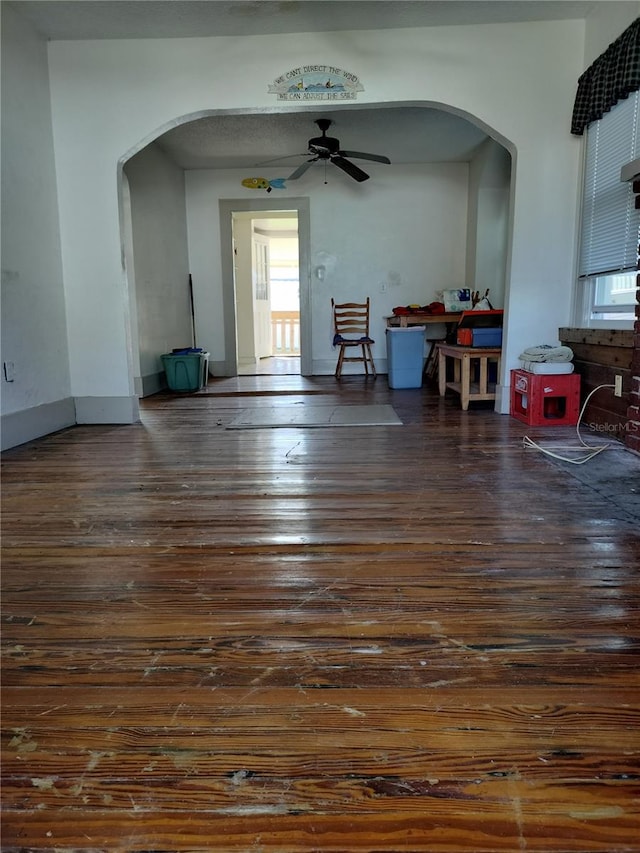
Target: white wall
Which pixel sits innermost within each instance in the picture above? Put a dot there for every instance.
(488, 228)
(160, 258)
(518, 79)
(404, 231)
(34, 331)
(605, 23)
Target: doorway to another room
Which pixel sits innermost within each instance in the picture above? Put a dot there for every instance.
(267, 288)
(246, 351)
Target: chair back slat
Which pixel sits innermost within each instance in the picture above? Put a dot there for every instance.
(351, 318)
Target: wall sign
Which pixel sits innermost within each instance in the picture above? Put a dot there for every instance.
(316, 83)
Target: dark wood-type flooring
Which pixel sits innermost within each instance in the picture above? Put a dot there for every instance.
(410, 638)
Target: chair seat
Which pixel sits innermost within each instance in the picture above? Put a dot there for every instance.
(339, 339)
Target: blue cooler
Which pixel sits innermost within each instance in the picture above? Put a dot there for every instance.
(405, 356)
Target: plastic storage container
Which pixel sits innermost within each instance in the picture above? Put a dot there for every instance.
(480, 337)
(186, 370)
(405, 356)
(480, 328)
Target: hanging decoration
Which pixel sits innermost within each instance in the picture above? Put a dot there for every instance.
(264, 184)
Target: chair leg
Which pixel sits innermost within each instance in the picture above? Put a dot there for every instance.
(370, 358)
(364, 359)
(338, 372)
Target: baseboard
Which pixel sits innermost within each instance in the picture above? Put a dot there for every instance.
(145, 386)
(503, 399)
(20, 427)
(107, 410)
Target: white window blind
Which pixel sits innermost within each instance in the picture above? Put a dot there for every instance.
(610, 223)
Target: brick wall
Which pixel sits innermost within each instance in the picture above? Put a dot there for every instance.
(632, 436)
(632, 439)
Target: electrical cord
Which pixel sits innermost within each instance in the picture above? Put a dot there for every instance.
(593, 451)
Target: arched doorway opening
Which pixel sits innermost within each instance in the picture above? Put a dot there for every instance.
(211, 196)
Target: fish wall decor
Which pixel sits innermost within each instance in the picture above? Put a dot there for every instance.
(264, 184)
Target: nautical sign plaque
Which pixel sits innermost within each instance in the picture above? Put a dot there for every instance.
(316, 83)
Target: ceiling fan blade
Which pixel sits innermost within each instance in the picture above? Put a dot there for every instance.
(302, 168)
(378, 158)
(350, 168)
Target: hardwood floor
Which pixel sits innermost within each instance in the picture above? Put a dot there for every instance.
(273, 366)
(416, 638)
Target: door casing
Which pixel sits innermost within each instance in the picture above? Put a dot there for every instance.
(300, 206)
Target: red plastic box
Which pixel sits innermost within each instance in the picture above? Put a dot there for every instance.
(539, 399)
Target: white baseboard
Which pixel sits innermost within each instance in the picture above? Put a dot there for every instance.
(150, 384)
(107, 410)
(20, 427)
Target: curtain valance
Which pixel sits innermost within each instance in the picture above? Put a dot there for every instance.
(612, 77)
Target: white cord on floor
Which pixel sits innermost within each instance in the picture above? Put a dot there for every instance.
(593, 451)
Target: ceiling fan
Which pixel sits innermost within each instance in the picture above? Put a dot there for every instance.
(327, 148)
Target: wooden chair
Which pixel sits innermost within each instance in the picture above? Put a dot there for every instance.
(351, 329)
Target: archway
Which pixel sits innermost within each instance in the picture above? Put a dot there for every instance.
(475, 247)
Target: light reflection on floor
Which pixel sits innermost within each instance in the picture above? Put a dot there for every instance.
(273, 366)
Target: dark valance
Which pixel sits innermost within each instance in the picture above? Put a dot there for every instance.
(612, 77)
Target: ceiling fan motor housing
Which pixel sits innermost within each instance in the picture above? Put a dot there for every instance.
(324, 145)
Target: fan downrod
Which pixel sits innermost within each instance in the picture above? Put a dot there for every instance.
(324, 124)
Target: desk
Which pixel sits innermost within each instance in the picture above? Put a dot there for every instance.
(416, 319)
(450, 319)
(462, 358)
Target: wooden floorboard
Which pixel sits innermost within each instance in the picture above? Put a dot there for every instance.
(421, 638)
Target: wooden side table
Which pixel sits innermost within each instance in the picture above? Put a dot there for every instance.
(462, 384)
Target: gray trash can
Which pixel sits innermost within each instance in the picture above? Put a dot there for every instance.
(405, 356)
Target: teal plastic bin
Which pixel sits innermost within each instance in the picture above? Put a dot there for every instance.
(405, 356)
(186, 371)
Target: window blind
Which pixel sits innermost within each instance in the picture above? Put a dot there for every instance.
(610, 222)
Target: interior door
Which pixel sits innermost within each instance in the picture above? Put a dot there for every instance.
(261, 294)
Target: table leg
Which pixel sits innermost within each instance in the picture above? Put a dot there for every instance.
(442, 373)
(465, 382)
(483, 374)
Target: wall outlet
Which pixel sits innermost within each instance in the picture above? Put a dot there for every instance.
(617, 388)
(9, 371)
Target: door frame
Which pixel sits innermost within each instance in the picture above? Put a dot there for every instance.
(301, 207)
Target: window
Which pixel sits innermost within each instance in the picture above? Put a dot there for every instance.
(610, 224)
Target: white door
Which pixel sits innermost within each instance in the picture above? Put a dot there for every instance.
(261, 294)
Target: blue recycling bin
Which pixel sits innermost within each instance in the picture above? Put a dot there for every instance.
(405, 356)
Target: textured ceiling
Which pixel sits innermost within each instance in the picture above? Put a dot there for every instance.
(404, 134)
(108, 19)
